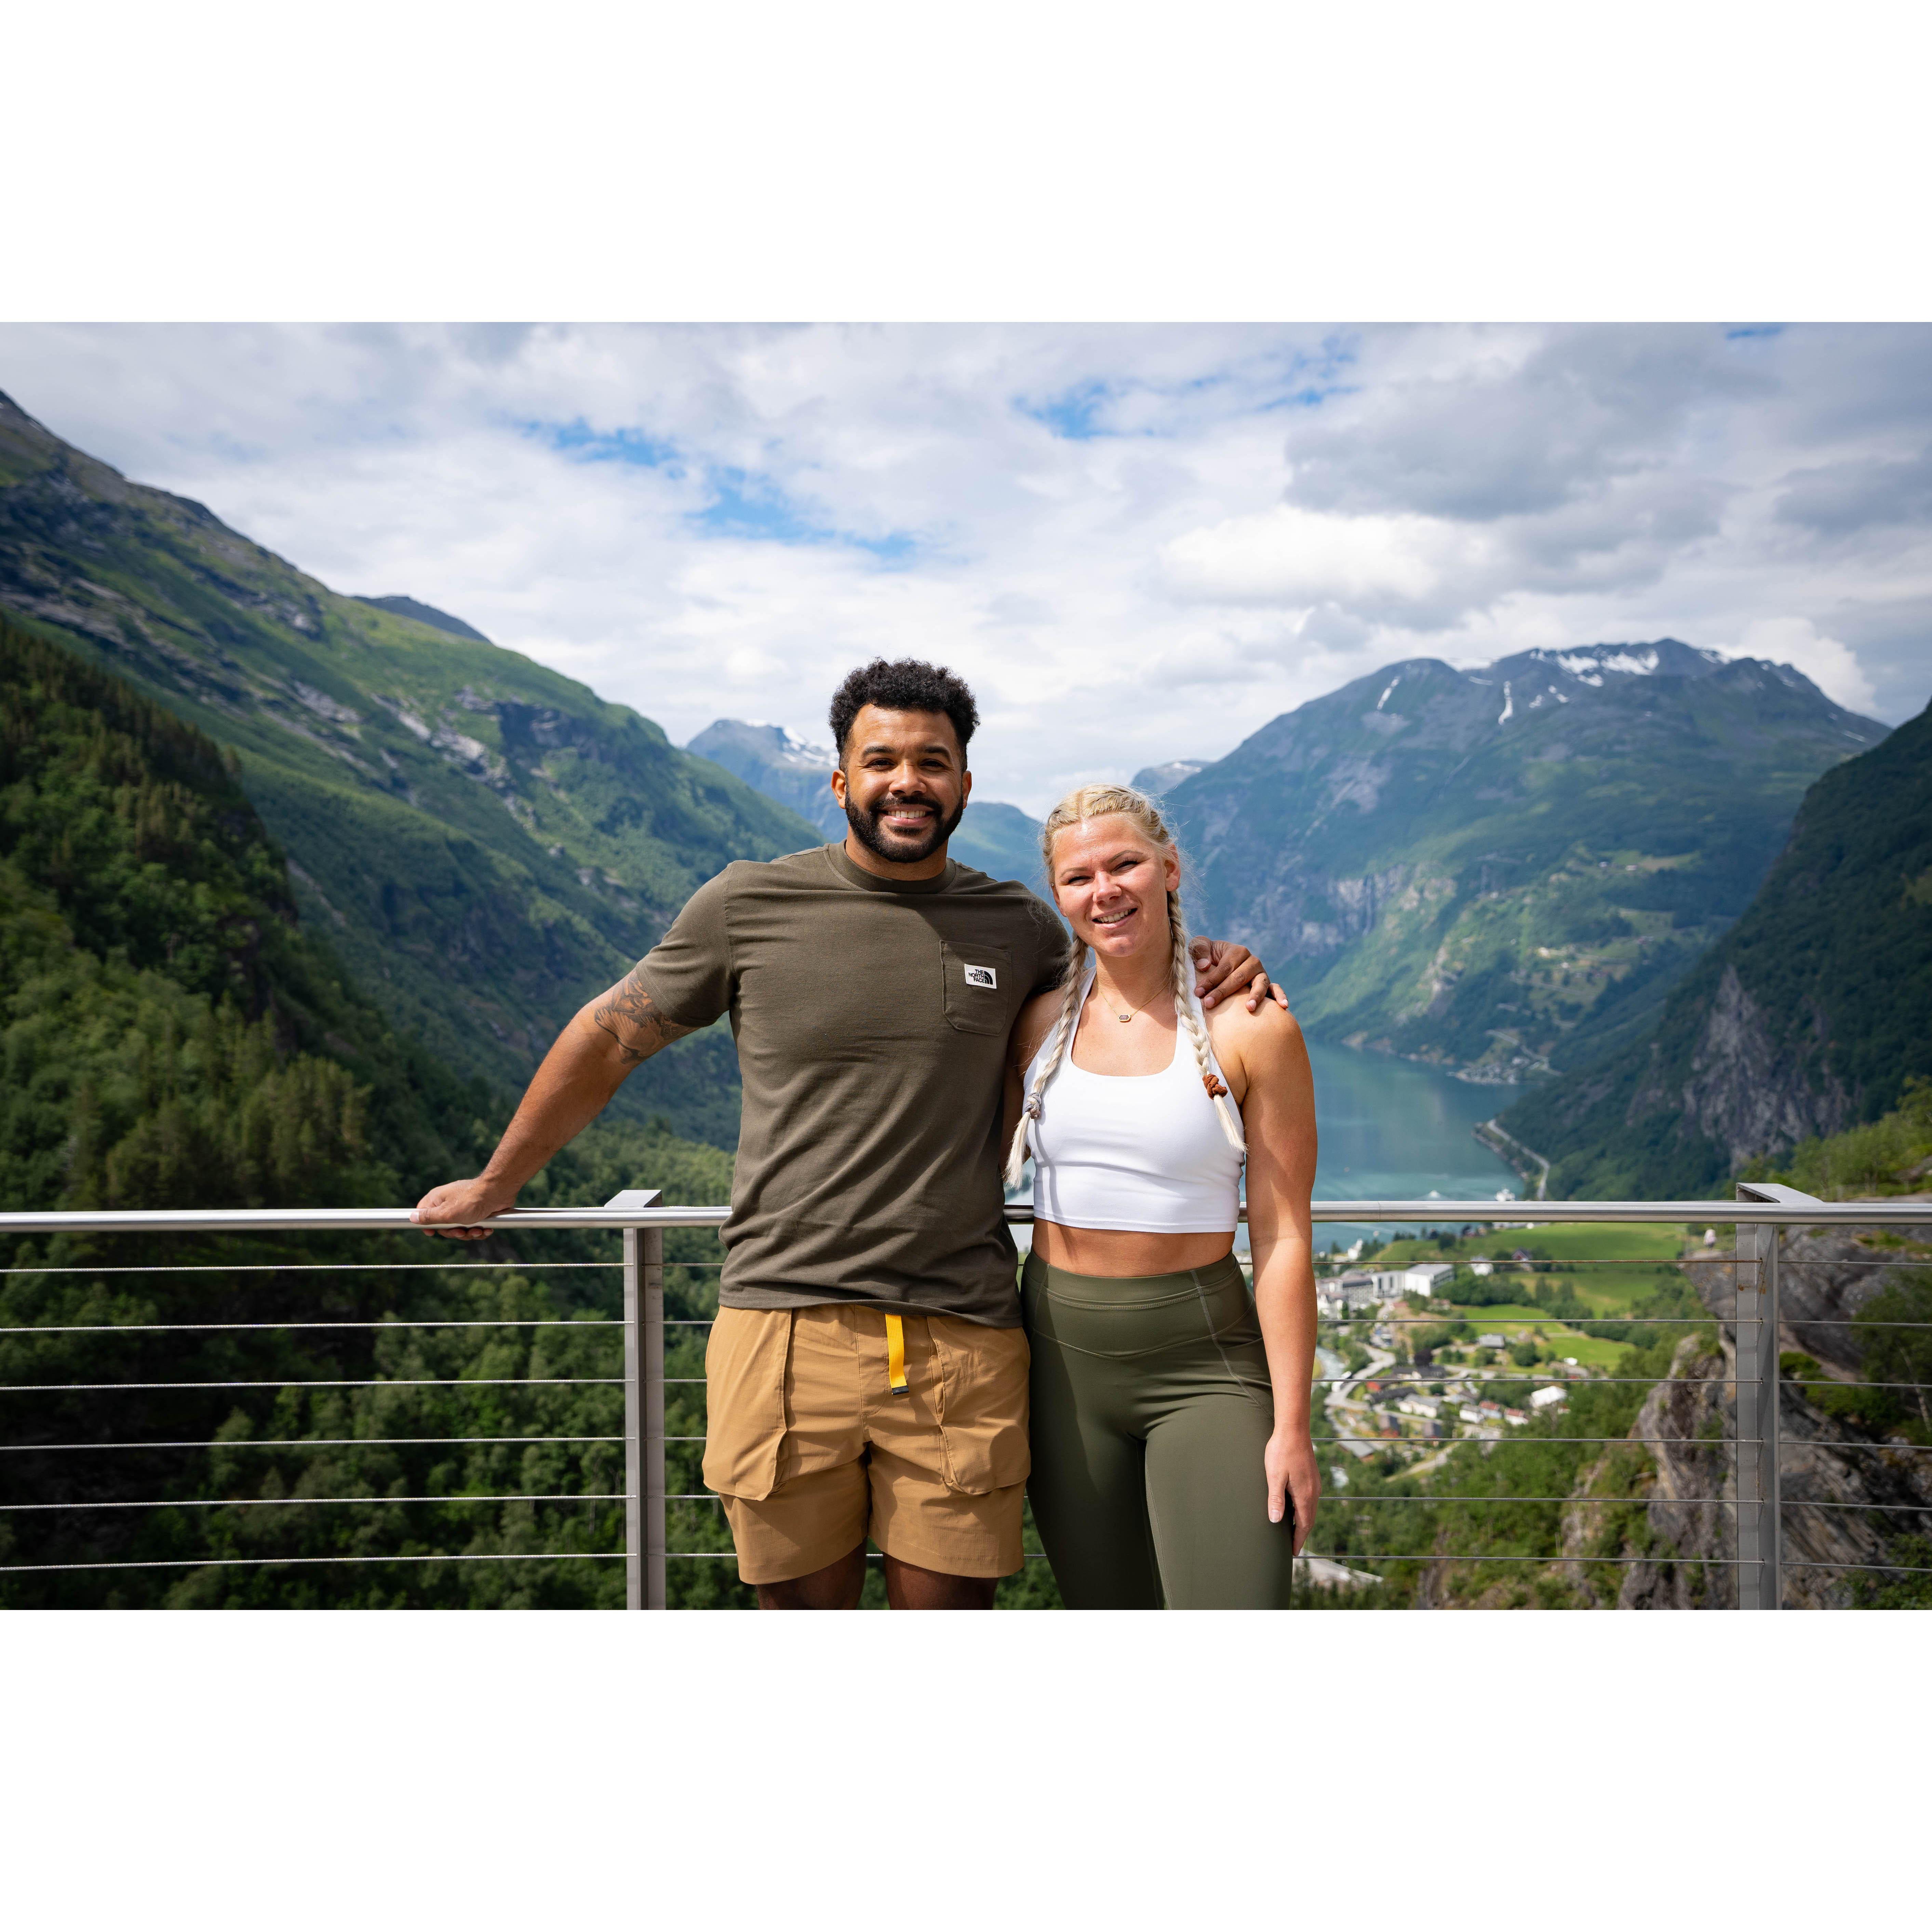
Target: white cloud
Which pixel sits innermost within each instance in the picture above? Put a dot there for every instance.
(1139, 543)
(1301, 558)
(1828, 663)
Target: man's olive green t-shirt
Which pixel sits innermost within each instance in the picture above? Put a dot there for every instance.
(871, 1018)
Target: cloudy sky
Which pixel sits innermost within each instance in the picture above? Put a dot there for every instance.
(1139, 543)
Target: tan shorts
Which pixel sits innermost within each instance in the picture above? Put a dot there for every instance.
(813, 1452)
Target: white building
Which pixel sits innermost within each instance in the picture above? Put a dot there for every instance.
(1552, 1397)
(1354, 1288)
(1425, 1406)
(1425, 1277)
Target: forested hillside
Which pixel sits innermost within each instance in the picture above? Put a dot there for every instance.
(1806, 1019)
(1503, 871)
(172, 1037)
(486, 844)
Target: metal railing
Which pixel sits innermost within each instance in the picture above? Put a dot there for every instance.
(1762, 1214)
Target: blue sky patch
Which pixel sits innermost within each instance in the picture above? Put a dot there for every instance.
(1071, 413)
(744, 504)
(1078, 414)
(1310, 396)
(1747, 330)
(619, 446)
(740, 503)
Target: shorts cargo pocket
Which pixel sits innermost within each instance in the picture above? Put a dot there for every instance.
(744, 1372)
(983, 1403)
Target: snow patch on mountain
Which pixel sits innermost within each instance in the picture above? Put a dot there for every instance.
(1635, 663)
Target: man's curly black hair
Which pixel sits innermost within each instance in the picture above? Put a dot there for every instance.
(905, 684)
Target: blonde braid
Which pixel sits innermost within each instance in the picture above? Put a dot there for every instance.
(1063, 1031)
(1187, 1014)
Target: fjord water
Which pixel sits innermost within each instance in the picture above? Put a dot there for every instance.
(1391, 1130)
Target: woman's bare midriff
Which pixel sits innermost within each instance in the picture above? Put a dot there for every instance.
(1119, 1251)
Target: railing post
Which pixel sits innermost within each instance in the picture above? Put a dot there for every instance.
(643, 1408)
(651, 1321)
(1760, 1399)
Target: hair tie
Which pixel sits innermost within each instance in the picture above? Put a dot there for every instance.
(1215, 1089)
(1031, 1109)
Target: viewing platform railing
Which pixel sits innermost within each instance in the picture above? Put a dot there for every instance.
(1763, 1215)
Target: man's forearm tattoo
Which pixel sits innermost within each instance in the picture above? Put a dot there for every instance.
(627, 1015)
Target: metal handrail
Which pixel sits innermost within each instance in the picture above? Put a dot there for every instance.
(1513, 1214)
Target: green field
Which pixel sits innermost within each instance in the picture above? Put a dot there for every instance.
(1607, 1270)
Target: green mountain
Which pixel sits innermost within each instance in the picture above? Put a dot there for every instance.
(172, 1037)
(1503, 871)
(485, 843)
(1807, 1017)
(1000, 840)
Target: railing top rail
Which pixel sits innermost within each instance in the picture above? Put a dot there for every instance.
(1891, 1213)
(339, 1220)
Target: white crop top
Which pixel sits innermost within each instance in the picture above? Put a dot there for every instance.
(1145, 1152)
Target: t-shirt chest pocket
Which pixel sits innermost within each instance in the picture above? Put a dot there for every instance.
(979, 990)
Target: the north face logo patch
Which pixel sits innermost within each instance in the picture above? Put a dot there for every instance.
(983, 975)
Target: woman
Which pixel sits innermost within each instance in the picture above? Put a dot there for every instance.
(1171, 1460)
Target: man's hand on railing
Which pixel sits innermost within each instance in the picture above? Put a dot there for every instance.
(450, 1210)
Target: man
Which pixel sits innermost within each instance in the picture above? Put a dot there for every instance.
(867, 1372)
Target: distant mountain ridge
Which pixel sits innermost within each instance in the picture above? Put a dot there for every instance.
(1000, 840)
(1158, 780)
(1502, 870)
(1805, 1019)
(485, 843)
(785, 768)
(427, 613)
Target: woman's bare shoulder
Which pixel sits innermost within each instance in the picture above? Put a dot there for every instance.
(1270, 1037)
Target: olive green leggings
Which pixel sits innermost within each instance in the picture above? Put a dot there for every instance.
(1151, 1407)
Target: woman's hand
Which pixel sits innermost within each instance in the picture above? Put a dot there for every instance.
(1289, 1460)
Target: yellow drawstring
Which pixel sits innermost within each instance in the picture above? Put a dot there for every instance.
(895, 1374)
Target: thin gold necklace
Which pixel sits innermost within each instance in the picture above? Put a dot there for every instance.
(1125, 1018)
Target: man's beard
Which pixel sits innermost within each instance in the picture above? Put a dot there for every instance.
(865, 826)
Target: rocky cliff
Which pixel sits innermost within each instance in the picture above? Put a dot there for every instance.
(1843, 1505)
